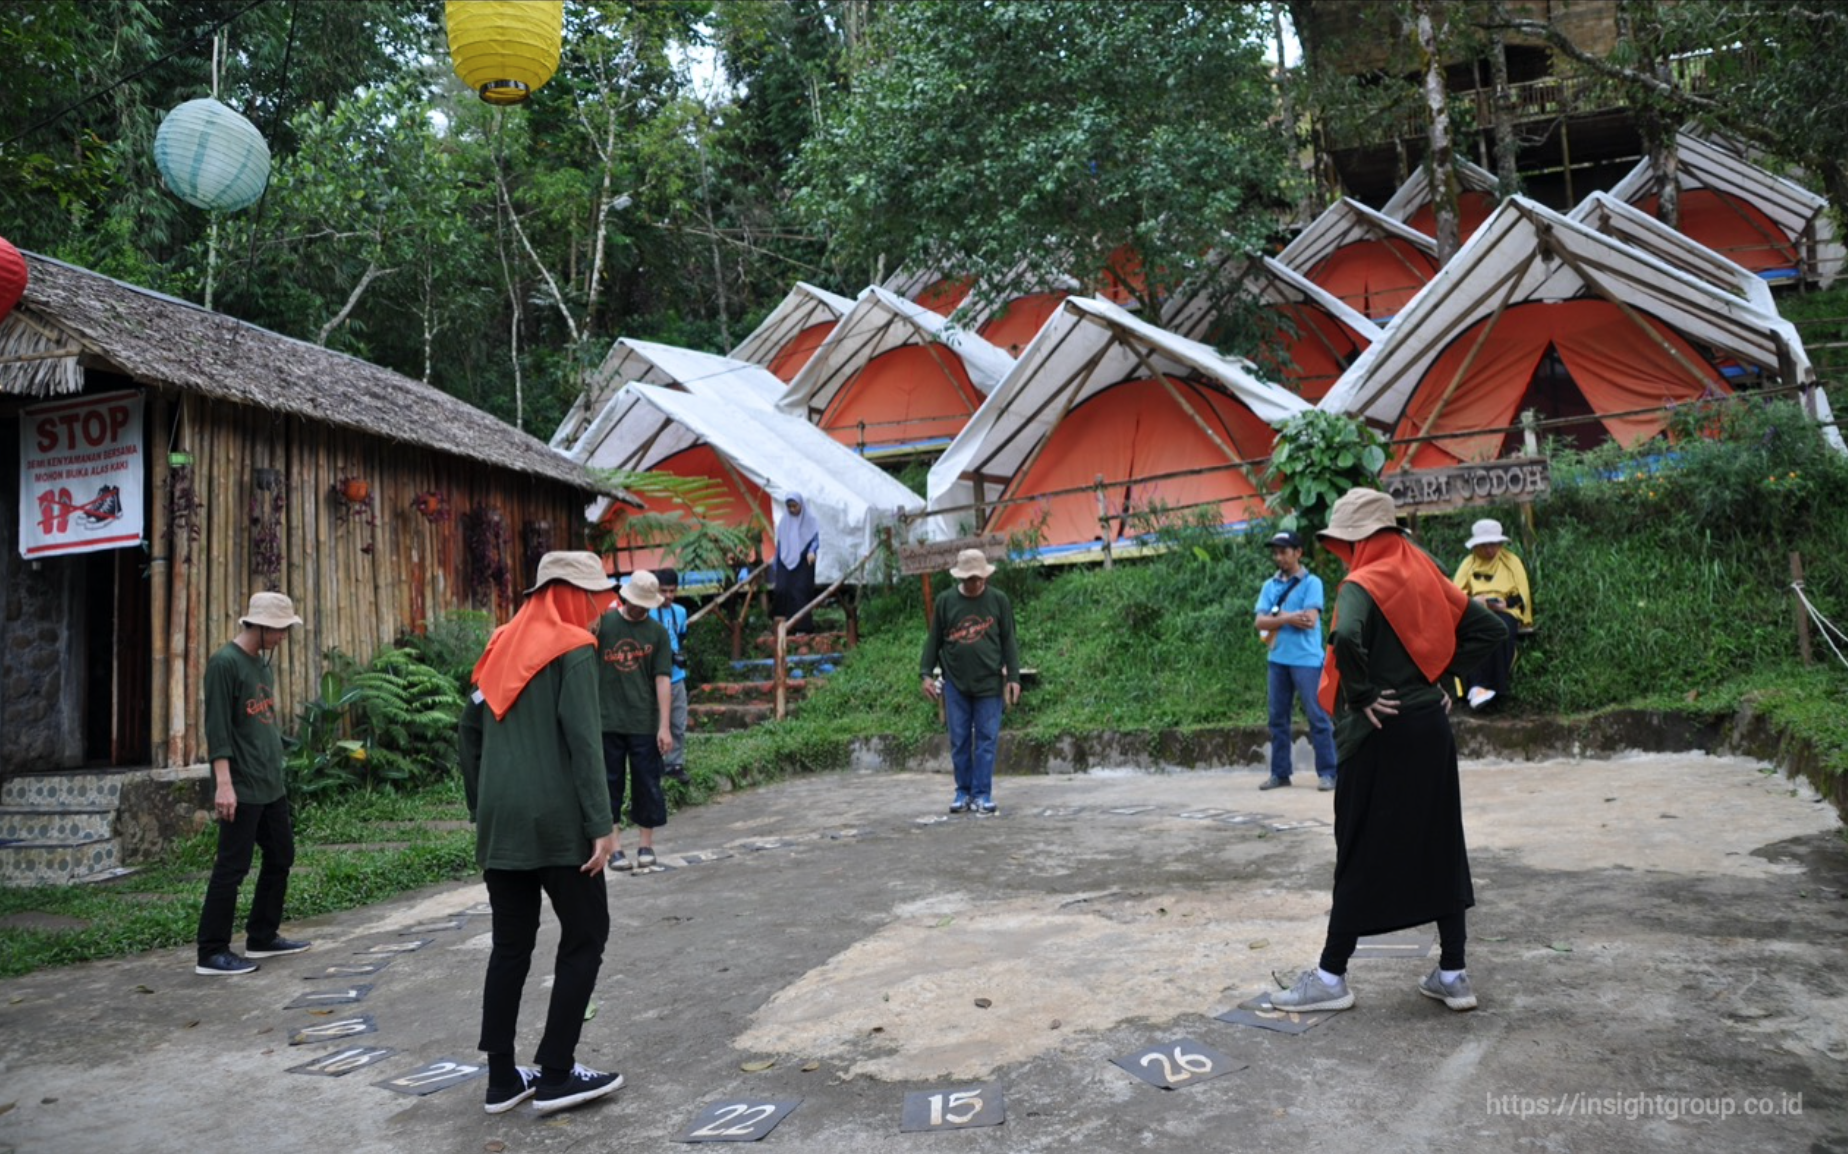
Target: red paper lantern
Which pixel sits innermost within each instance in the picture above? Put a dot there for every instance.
(12, 276)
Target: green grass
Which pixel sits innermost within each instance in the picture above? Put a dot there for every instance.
(159, 906)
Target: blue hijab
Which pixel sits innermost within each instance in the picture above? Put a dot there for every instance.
(796, 533)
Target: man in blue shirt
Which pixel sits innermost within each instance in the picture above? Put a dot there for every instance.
(674, 619)
(1289, 619)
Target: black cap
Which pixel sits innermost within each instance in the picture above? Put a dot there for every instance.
(1286, 540)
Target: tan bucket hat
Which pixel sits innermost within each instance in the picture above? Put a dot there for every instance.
(971, 563)
(1359, 514)
(644, 589)
(271, 611)
(574, 567)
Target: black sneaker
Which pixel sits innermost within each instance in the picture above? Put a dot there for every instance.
(583, 1085)
(645, 858)
(677, 773)
(504, 1098)
(959, 803)
(275, 948)
(620, 864)
(225, 964)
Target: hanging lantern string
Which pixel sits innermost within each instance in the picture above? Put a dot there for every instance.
(282, 92)
(209, 33)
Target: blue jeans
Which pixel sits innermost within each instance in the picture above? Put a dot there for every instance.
(1286, 682)
(975, 727)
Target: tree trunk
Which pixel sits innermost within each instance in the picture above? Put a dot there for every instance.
(1637, 23)
(1441, 164)
(1507, 150)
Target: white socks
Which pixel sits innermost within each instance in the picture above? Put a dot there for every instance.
(1449, 976)
(1328, 979)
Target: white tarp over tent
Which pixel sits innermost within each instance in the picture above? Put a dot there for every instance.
(1526, 253)
(1801, 215)
(1190, 312)
(1605, 214)
(880, 323)
(653, 363)
(1088, 346)
(1366, 258)
(1345, 222)
(1415, 193)
(852, 497)
(804, 307)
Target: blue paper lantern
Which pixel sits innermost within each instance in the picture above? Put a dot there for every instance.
(211, 157)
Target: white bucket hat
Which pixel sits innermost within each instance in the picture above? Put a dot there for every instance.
(1486, 532)
(644, 589)
(971, 563)
(574, 567)
(271, 611)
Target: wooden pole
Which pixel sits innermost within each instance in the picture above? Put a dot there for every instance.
(1103, 519)
(1803, 624)
(930, 602)
(158, 583)
(780, 668)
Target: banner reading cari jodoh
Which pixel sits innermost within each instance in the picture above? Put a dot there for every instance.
(81, 468)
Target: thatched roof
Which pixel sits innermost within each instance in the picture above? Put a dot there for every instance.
(161, 340)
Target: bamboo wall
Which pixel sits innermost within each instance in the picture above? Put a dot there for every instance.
(350, 600)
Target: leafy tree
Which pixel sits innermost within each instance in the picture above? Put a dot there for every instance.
(1026, 141)
(1318, 457)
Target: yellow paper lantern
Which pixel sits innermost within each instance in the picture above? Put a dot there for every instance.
(505, 49)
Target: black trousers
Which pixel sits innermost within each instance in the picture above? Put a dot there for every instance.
(582, 908)
(264, 827)
(1450, 938)
(632, 764)
(1497, 669)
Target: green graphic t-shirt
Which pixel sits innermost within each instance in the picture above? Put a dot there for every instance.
(631, 655)
(241, 724)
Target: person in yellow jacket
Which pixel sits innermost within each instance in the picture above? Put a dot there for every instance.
(1496, 578)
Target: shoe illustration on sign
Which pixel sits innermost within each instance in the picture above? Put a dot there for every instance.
(56, 508)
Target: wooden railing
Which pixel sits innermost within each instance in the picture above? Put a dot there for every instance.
(780, 668)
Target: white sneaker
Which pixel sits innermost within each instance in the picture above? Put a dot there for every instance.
(1479, 697)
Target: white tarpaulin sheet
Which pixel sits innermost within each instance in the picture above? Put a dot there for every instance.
(1604, 213)
(653, 363)
(852, 497)
(804, 307)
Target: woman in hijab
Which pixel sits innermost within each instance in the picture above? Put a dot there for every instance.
(1400, 860)
(792, 579)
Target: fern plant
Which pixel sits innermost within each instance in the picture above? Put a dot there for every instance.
(406, 714)
(683, 520)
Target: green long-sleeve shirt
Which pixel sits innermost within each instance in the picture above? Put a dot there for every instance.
(240, 723)
(1371, 658)
(973, 639)
(534, 778)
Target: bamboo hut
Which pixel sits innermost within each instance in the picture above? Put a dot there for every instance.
(377, 502)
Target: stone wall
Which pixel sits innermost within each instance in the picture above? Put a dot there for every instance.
(37, 623)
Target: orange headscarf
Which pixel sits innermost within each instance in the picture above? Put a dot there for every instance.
(1420, 604)
(548, 626)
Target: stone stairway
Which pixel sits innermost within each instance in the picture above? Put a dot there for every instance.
(750, 696)
(58, 828)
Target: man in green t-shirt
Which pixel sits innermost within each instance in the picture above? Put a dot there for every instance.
(635, 692)
(248, 798)
(972, 639)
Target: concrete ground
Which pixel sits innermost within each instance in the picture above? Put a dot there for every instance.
(1657, 948)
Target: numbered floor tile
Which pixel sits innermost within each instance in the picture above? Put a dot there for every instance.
(334, 1031)
(438, 1075)
(1295, 824)
(1172, 1065)
(479, 909)
(735, 1121)
(932, 1110)
(349, 970)
(700, 857)
(1259, 1012)
(343, 1062)
(433, 928)
(409, 947)
(342, 996)
(1414, 943)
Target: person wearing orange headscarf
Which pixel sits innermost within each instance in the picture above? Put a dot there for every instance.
(531, 745)
(1400, 859)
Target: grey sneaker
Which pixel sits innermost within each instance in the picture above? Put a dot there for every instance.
(1326, 785)
(1275, 782)
(1457, 995)
(1311, 993)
